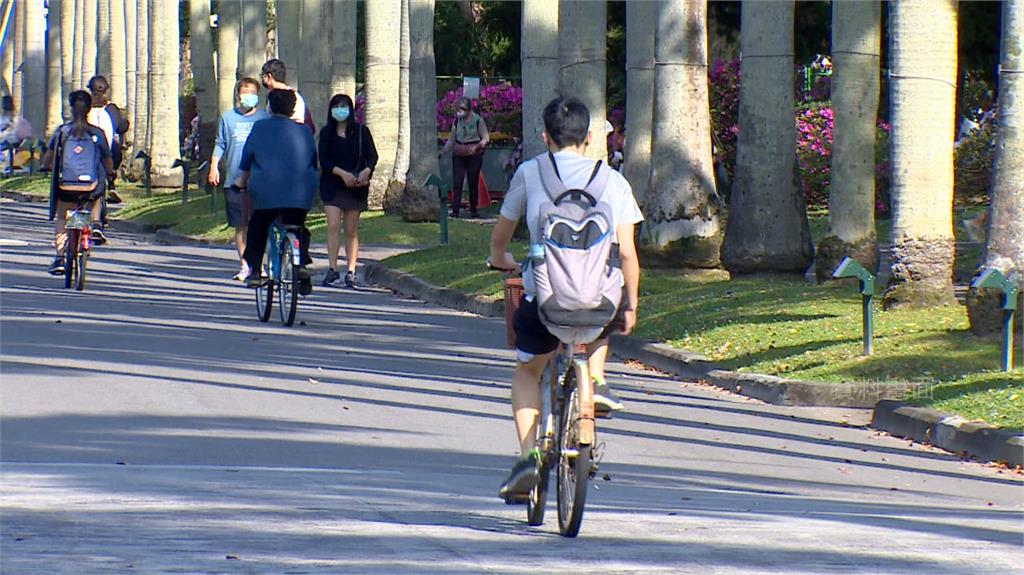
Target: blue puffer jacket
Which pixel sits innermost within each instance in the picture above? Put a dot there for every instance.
(280, 157)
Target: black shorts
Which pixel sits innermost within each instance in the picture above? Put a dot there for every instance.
(237, 207)
(533, 337)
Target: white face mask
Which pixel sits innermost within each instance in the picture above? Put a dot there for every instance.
(461, 113)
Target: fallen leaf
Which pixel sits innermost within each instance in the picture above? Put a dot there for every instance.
(232, 558)
(311, 380)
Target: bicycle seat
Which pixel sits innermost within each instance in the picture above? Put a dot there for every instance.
(291, 228)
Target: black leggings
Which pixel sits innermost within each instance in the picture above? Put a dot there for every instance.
(463, 166)
(259, 231)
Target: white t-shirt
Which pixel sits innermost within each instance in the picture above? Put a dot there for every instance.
(101, 119)
(299, 113)
(526, 192)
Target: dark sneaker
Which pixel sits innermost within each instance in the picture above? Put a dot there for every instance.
(605, 399)
(331, 278)
(305, 282)
(98, 237)
(474, 215)
(254, 280)
(350, 280)
(525, 474)
(113, 198)
(56, 267)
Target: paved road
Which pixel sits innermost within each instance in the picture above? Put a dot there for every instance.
(152, 425)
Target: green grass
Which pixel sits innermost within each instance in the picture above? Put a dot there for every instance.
(993, 397)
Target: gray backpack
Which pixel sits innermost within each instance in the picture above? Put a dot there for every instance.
(574, 263)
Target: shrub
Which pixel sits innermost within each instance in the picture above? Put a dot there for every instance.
(814, 151)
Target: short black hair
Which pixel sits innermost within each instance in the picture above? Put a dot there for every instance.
(282, 102)
(98, 84)
(276, 69)
(567, 121)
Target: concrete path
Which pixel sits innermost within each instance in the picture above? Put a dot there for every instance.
(152, 425)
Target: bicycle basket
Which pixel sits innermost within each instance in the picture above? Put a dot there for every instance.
(513, 296)
(77, 220)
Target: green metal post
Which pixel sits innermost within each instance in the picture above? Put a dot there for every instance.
(1007, 339)
(869, 324)
(442, 216)
(849, 268)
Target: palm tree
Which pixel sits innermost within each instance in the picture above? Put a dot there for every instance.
(343, 48)
(420, 202)
(90, 40)
(17, 81)
(7, 59)
(641, 18)
(254, 37)
(54, 88)
(383, 79)
(539, 49)
(288, 34)
(682, 211)
(923, 62)
(396, 186)
(204, 83)
(140, 130)
(118, 53)
(33, 105)
(131, 12)
(856, 33)
(229, 23)
(103, 34)
(582, 40)
(78, 50)
(163, 106)
(315, 44)
(1004, 245)
(767, 229)
(67, 48)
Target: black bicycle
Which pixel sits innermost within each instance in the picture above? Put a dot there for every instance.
(77, 244)
(281, 263)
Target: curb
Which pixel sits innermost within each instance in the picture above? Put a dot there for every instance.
(950, 432)
(411, 286)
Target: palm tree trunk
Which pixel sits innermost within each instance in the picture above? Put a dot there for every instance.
(54, 89)
(18, 78)
(396, 186)
(7, 53)
(131, 12)
(78, 48)
(118, 53)
(205, 85)
(923, 94)
(34, 63)
(90, 39)
(582, 46)
(228, 26)
(315, 45)
(383, 79)
(539, 48)
(682, 214)
(142, 139)
(289, 17)
(856, 33)
(343, 49)
(420, 202)
(67, 49)
(254, 37)
(165, 61)
(641, 18)
(1004, 245)
(767, 229)
(104, 51)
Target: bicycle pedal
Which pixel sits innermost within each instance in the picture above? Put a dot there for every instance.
(603, 413)
(521, 499)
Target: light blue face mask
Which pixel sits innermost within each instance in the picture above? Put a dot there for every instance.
(249, 100)
(340, 114)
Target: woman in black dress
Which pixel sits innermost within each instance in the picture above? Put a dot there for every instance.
(347, 160)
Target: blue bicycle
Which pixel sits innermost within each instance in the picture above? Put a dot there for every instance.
(281, 263)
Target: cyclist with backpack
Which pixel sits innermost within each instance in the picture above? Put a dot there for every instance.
(582, 277)
(107, 116)
(80, 159)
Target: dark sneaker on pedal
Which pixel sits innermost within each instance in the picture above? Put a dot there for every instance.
(305, 282)
(350, 280)
(98, 237)
(331, 279)
(56, 267)
(605, 399)
(254, 281)
(524, 476)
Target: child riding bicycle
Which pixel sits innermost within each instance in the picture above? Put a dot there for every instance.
(567, 135)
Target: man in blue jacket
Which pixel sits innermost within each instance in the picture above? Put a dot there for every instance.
(279, 170)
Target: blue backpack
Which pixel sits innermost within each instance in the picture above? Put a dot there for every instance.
(80, 161)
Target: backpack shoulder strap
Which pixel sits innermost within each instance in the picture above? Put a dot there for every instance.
(598, 180)
(550, 179)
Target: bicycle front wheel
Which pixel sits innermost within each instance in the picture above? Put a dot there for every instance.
(265, 291)
(574, 459)
(288, 291)
(71, 257)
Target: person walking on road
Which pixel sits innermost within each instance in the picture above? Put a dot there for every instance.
(467, 142)
(347, 160)
(278, 167)
(566, 125)
(232, 133)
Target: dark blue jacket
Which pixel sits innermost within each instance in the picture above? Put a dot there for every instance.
(280, 157)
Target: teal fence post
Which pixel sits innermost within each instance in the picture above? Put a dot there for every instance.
(993, 278)
(442, 194)
(850, 268)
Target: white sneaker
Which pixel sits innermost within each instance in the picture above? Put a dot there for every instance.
(243, 272)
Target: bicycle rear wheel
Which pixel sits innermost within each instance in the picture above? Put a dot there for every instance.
(83, 256)
(288, 291)
(265, 291)
(574, 461)
(71, 256)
